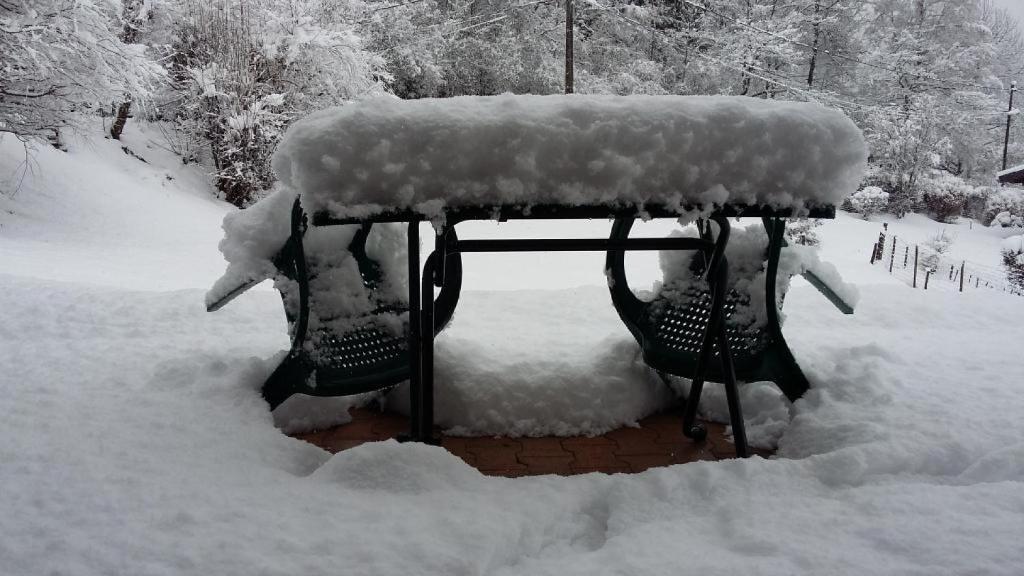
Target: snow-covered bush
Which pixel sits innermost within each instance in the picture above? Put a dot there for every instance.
(1007, 219)
(1013, 260)
(246, 69)
(1005, 208)
(869, 200)
(936, 247)
(977, 199)
(803, 231)
(943, 196)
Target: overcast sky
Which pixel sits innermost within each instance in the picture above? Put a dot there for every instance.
(1016, 7)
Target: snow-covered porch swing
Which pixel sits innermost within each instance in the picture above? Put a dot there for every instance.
(388, 161)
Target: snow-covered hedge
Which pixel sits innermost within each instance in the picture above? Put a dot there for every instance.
(943, 196)
(869, 200)
(1005, 208)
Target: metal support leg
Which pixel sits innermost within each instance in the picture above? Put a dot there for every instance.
(692, 429)
(715, 334)
(415, 387)
(426, 420)
(732, 393)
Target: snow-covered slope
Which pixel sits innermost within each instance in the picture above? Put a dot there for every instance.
(135, 441)
(101, 216)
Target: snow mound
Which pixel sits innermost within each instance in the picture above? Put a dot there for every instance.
(1014, 244)
(673, 151)
(389, 466)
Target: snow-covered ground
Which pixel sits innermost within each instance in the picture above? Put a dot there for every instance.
(135, 441)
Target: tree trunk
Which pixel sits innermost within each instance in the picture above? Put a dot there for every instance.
(131, 16)
(814, 45)
(123, 110)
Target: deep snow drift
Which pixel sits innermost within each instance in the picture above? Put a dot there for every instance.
(135, 441)
(675, 151)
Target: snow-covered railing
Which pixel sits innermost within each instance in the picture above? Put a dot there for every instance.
(678, 152)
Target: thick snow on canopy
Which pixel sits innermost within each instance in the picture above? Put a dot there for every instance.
(674, 151)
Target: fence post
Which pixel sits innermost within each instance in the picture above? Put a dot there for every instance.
(906, 255)
(977, 281)
(927, 274)
(874, 252)
(915, 265)
(950, 272)
(892, 255)
(962, 263)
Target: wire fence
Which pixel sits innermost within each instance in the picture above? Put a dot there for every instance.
(924, 268)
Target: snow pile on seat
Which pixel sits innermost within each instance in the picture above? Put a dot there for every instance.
(252, 237)
(683, 277)
(679, 152)
(339, 299)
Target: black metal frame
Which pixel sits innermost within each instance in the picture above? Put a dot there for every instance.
(422, 340)
(421, 287)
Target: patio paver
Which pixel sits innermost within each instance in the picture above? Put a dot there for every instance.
(657, 441)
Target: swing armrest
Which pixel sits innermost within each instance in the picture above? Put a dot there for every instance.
(843, 304)
(232, 294)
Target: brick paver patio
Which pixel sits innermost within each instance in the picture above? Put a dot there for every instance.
(658, 441)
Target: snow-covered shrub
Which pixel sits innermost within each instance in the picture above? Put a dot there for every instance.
(935, 247)
(1005, 208)
(943, 196)
(245, 69)
(803, 231)
(1013, 260)
(409, 38)
(869, 200)
(977, 199)
(1006, 219)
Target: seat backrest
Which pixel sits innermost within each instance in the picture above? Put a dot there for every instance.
(358, 345)
(670, 331)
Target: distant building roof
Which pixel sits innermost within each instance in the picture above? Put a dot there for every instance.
(1014, 175)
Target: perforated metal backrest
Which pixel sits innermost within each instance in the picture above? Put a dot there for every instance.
(669, 335)
(368, 355)
(681, 329)
(359, 354)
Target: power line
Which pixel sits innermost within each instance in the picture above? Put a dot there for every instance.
(465, 24)
(748, 69)
(831, 53)
(815, 97)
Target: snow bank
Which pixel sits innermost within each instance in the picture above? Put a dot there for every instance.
(1014, 244)
(673, 151)
(136, 443)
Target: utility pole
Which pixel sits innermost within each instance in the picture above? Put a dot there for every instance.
(1009, 120)
(568, 46)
